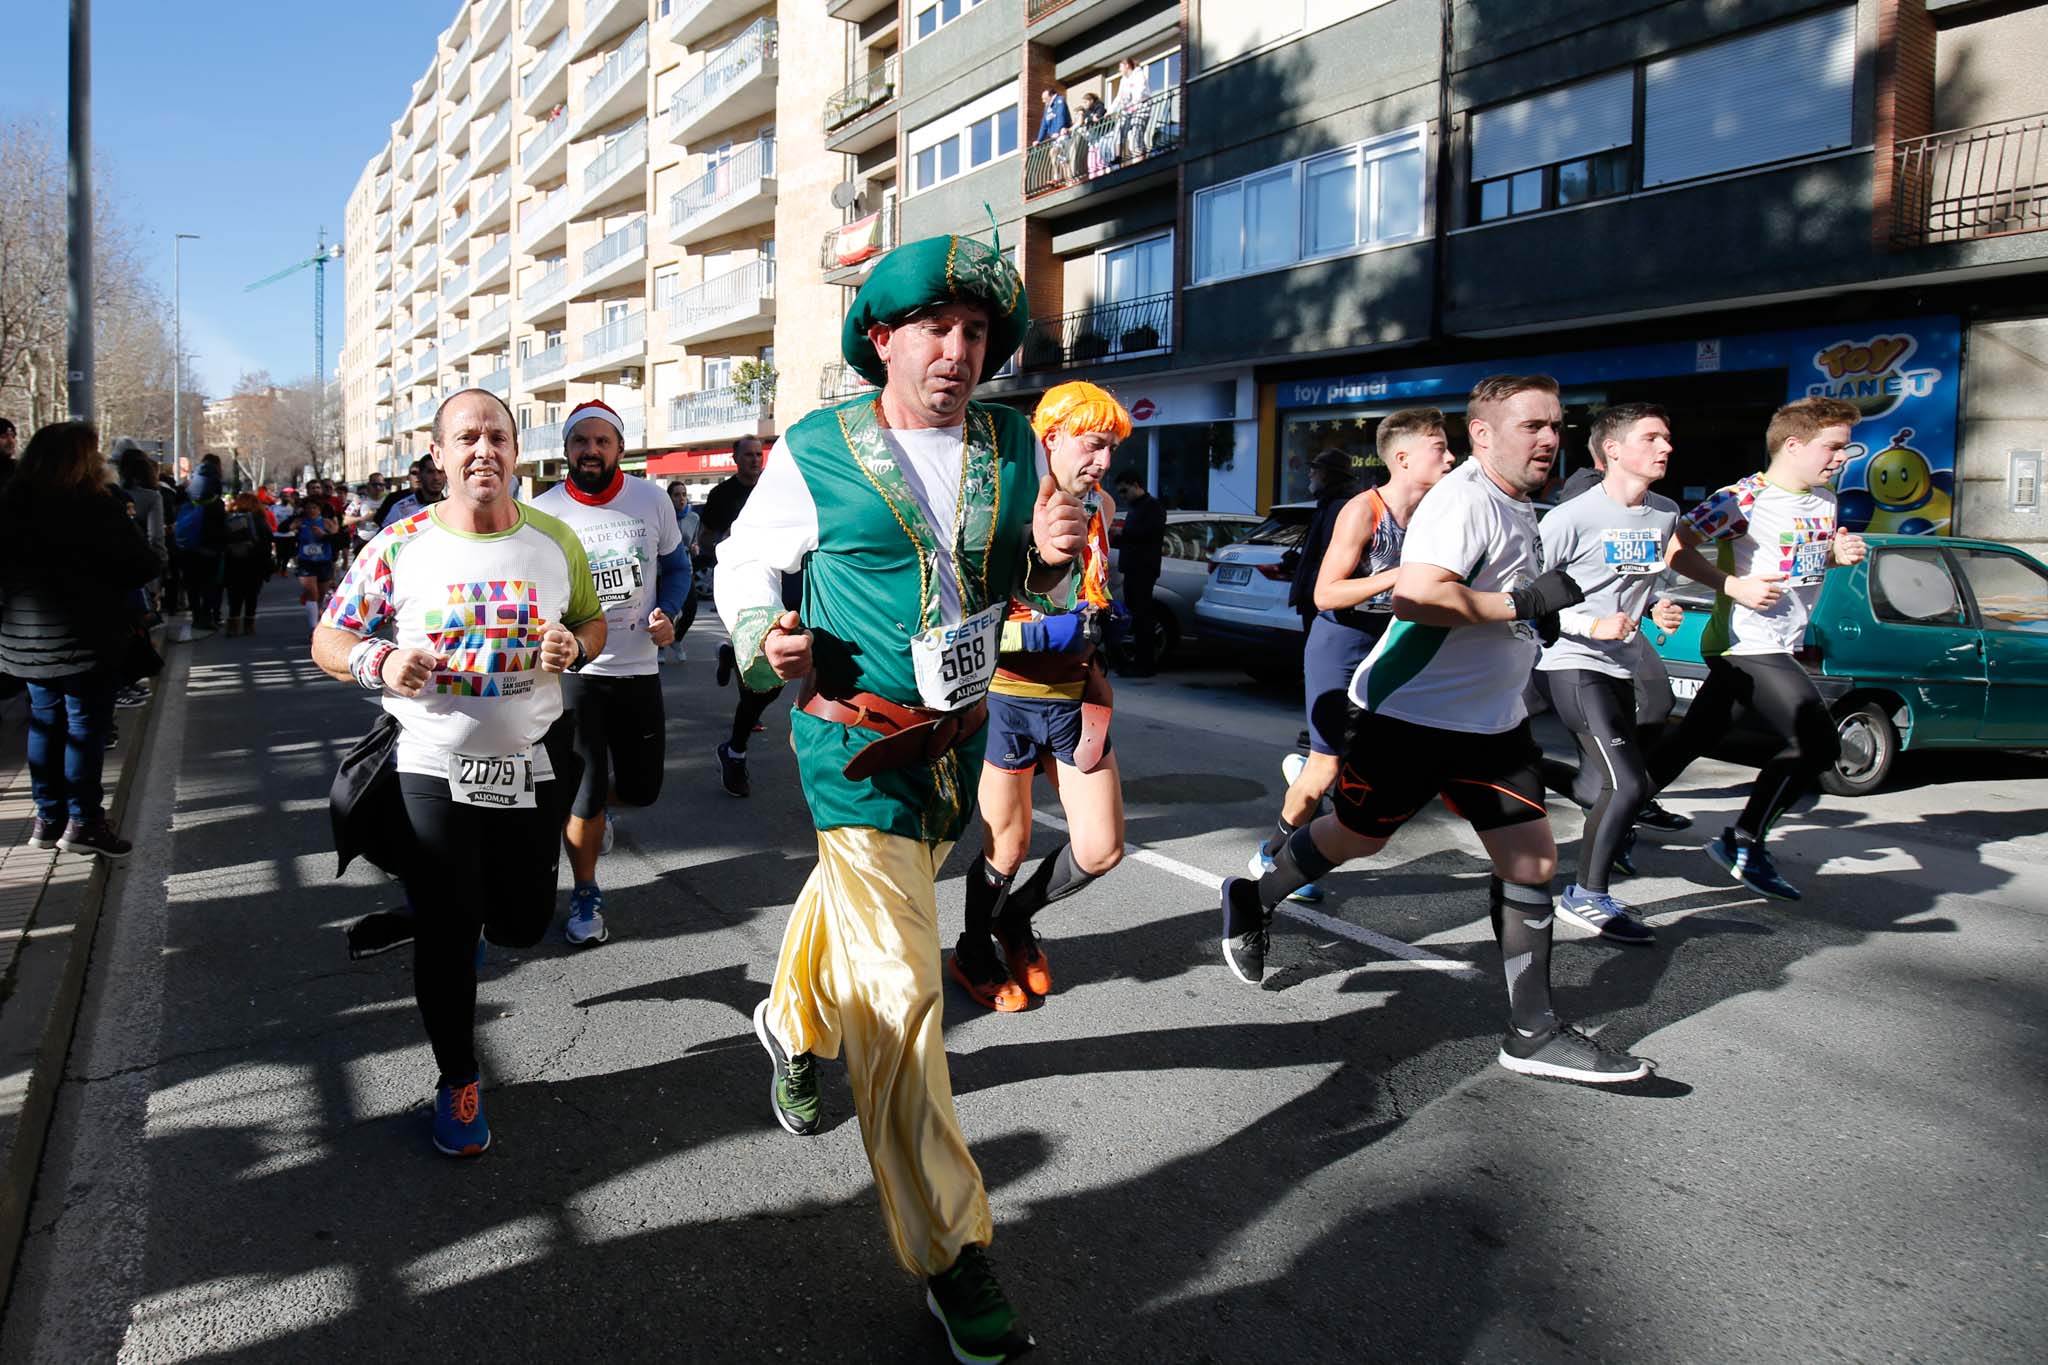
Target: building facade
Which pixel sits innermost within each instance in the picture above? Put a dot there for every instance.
(1264, 224)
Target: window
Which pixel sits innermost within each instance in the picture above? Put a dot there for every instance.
(967, 139)
(1138, 270)
(1913, 587)
(933, 17)
(1368, 195)
(2011, 593)
(667, 283)
(1564, 146)
(1765, 96)
(1161, 73)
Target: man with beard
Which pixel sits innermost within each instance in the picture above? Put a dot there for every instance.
(1444, 716)
(426, 490)
(641, 571)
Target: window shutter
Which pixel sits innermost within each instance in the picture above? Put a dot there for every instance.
(1558, 125)
(1780, 92)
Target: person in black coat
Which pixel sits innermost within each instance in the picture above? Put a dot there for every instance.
(1332, 484)
(71, 561)
(1140, 547)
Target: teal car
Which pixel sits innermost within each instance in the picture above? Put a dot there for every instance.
(1929, 643)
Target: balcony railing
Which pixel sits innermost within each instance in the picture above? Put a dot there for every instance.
(541, 364)
(716, 408)
(544, 70)
(740, 175)
(875, 88)
(384, 428)
(1970, 183)
(630, 148)
(493, 258)
(384, 347)
(490, 15)
(544, 217)
(402, 376)
(530, 11)
(539, 441)
(1034, 10)
(1087, 151)
(429, 361)
(617, 243)
(543, 142)
(622, 59)
(731, 64)
(457, 174)
(498, 381)
(863, 239)
(736, 293)
(620, 334)
(549, 288)
(455, 286)
(840, 380)
(492, 324)
(1101, 334)
(498, 62)
(457, 230)
(456, 342)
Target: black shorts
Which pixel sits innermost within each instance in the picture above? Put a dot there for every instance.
(619, 737)
(320, 570)
(1392, 768)
(1022, 730)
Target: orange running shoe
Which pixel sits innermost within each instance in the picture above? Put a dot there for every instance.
(1025, 958)
(995, 990)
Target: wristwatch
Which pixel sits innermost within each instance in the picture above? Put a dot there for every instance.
(582, 657)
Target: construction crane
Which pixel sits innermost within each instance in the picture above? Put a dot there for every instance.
(318, 261)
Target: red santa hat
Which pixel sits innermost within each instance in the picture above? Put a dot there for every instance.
(599, 409)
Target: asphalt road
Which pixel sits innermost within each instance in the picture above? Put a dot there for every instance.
(1839, 1158)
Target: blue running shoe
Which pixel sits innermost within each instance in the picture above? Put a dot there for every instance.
(1312, 894)
(1602, 914)
(1260, 863)
(459, 1127)
(585, 928)
(1749, 864)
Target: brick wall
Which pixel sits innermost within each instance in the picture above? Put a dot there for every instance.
(1904, 104)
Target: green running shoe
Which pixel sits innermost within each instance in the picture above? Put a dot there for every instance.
(981, 1327)
(794, 1091)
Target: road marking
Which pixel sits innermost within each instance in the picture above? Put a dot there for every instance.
(1393, 947)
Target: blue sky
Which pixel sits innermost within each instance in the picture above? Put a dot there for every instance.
(245, 122)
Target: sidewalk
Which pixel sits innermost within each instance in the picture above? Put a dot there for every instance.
(49, 911)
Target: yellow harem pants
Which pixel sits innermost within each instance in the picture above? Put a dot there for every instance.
(859, 970)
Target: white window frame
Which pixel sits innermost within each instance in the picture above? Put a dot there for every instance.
(918, 11)
(958, 124)
(1102, 255)
(1379, 147)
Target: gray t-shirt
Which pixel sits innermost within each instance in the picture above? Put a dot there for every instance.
(1616, 556)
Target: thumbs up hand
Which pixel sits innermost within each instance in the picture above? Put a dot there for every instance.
(1059, 523)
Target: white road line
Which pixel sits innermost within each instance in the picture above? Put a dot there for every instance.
(1392, 947)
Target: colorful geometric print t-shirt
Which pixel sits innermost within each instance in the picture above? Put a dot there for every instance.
(481, 602)
(1467, 678)
(624, 530)
(1758, 527)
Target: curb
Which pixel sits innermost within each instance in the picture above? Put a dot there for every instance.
(48, 987)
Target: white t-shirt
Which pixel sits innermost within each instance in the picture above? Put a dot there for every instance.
(1468, 678)
(1758, 527)
(480, 601)
(623, 534)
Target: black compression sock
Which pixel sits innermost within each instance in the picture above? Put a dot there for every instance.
(1281, 834)
(1521, 921)
(1296, 863)
(1055, 879)
(987, 889)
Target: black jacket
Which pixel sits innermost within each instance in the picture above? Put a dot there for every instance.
(1142, 541)
(69, 568)
(1315, 543)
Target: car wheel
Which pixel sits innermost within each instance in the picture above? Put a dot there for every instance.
(1870, 745)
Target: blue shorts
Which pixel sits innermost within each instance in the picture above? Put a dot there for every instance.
(1333, 653)
(1022, 730)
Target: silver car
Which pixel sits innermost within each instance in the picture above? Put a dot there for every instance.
(1192, 538)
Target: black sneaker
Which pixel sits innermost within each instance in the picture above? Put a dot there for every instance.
(727, 663)
(94, 836)
(732, 772)
(1656, 817)
(1247, 929)
(379, 932)
(1563, 1053)
(793, 1093)
(1624, 860)
(981, 1326)
(129, 697)
(43, 833)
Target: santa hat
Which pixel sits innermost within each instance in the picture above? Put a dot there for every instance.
(603, 411)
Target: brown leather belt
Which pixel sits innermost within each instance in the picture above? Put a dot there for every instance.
(909, 734)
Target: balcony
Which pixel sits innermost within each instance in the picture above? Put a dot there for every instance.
(546, 150)
(381, 309)
(618, 175)
(487, 24)
(849, 252)
(457, 177)
(455, 288)
(1095, 151)
(539, 18)
(455, 238)
(455, 71)
(1971, 183)
(541, 226)
(1052, 22)
(428, 363)
(619, 259)
(547, 295)
(490, 208)
(425, 314)
(380, 191)
(384, 428)
(862, 116)
(422, 418)
(717, 414)
(546, 83)
(735, 194)
(491, 84)
(380, 235)
(404, 331)
(1102, 334)
(380, 273)
(402, 376)
(498, 381)
(455, 126)
(495, 139)
(382, 389)
(537, 443)
(737, 84)
(490, 267)
(423, 268)
(493, 326)
(543, 369)
(617, 89)
(839, 381)
(384, 346)
(617, 344)
(455, 344)
(736, 303)
(692, 20)
(604, 20)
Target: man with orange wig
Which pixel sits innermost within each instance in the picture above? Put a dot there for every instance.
(1049, 700)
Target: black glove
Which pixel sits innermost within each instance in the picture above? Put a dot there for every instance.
(1546, 596)
(1547, 628)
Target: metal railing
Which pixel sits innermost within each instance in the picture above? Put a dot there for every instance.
(1034, 10)
(551, 61)
(544, 363)
(741, 174)
(1102, 333)
(500, 59)
(840, 380)
(629, 149)
(728, 66)
(553, 283)
(863, 239)
(498, 381)
(875, 88)
(715, 408)
(543, 142)
(622, 58)
(545, 440)
(1087, 151)
(1971, 183)
(617, 243)
(736, 291)
(493, 258)
(617, 335)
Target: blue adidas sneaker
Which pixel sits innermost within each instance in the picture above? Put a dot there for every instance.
(585, 928)
(1749, 864)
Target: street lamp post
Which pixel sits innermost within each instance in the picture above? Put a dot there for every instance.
(178, 241)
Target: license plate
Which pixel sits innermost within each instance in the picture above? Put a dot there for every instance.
(1236, 575)
(1687, 688)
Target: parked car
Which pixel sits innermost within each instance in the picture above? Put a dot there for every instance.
(1927, 644)
(1191, 538)
(1243, 603)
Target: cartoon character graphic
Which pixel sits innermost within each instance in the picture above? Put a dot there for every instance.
(1896, 491)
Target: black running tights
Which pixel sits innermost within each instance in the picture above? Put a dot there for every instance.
(471, 870)
(747, 713)
(1600, 711)
(1775, 688)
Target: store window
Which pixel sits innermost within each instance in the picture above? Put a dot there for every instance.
(1187, 453)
